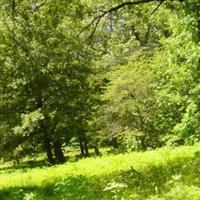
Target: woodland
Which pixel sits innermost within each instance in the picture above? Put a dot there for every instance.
(85, 81)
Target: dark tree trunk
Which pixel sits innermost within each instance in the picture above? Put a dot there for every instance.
(143, 146)
(96, 151)
(86, 147)
(59, 155)
(44, 131)
(81, 147)
(47, 148)
(16, 160)
(114, 143)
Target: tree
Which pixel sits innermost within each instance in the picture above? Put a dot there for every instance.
(177, 72)
(45, 76)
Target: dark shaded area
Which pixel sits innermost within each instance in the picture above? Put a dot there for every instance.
(25, 166)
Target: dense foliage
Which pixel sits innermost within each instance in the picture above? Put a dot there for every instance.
(78, 73)
(82, 78)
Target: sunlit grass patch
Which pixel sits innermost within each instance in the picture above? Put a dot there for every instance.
(144, 175)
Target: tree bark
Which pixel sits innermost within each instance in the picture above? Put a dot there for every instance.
(44, 128)
(59, 155)
(86, 147)
(81, 147)
(47, 148)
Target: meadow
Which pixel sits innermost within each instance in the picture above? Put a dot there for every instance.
(162, 174)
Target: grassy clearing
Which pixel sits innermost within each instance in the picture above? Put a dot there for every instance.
(155, 175)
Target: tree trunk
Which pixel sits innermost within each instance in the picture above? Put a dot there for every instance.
(86, 147)
(114, 143)
(96, 151)
(81, 147)
(59, 155)
(44, 128)
(47, 148)
(143, 143)
(16, 160)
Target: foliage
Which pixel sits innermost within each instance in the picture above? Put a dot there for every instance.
(80, 74)
(44, 72)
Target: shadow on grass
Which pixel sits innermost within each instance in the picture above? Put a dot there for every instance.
(159, 179)
(24, 166)
(153, 180)
(72, 188)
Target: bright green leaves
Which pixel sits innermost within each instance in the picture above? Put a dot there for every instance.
(189, 128)
(29, 122)
(130, 99)
(178, 79)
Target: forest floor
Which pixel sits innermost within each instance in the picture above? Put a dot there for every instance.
(163, 174)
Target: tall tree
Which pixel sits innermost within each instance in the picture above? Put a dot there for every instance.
(45, 74)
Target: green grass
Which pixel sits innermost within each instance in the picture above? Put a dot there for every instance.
(163, 174)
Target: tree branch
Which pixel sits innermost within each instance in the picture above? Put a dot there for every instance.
(37, 7)
(158, 6)
(98, 18)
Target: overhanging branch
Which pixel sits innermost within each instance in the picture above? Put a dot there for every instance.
(161, 2)
(37, 7)
(116, 8)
